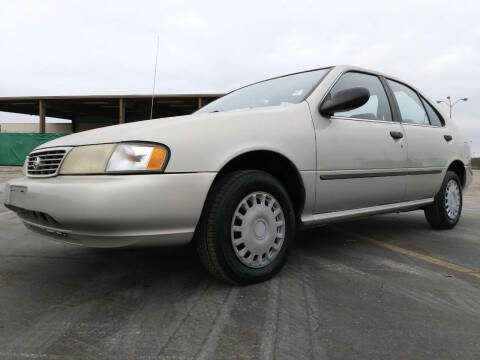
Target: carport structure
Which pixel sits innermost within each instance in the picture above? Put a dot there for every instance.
(92, 111)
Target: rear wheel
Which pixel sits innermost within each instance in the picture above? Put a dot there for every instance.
(445, 212)
(247, 228)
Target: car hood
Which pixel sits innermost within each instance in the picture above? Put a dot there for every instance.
(154, 130)
(206, 141)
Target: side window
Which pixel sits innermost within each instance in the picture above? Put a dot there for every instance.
(435, 118)
(411, 108)
(376, 108)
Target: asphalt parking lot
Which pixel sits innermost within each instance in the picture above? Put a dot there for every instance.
(384, 287)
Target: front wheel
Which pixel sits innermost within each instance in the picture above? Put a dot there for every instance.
(247, 227)
(445, 211)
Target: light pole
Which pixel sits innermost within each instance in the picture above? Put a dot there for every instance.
(451, 104)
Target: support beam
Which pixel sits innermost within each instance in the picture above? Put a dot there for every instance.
(200, 102)
(121, 111)
(42, 110)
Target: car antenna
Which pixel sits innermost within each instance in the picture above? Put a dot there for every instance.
(154, 77)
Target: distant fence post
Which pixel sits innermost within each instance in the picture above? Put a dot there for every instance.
(476, 163)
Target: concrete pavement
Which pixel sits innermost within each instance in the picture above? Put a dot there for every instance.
(358, 290)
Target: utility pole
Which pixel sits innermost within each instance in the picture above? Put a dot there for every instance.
(451, 103)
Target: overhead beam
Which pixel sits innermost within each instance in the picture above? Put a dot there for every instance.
(42, 110)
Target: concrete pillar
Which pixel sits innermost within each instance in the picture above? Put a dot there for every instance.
(200, 102)
(42, 110)
(121, 112)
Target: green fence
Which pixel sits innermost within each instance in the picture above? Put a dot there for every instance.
(14, 147)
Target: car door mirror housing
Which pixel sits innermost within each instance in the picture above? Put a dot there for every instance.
(344, 100)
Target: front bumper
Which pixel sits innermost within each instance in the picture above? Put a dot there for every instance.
(112, 210)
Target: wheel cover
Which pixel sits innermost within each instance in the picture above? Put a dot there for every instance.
(452, 199)
(258, 229)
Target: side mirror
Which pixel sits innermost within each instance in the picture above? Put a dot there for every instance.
(345, 100)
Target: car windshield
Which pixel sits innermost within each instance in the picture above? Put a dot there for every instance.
(281, 91)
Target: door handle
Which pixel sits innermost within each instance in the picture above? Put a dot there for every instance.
(448, 137)
(396, 134)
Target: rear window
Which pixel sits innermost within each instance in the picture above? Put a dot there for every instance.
(411, 108)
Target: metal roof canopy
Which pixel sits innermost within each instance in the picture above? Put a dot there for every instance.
(111, 108)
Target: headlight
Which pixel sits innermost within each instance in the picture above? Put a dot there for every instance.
(132, 157)
(90, 159)
(114, 158)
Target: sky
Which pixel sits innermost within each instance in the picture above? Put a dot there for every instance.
(108, 47)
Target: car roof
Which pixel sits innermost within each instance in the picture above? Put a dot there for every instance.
(344, 68)
(341, 68)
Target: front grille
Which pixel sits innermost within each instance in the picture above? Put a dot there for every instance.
(44, 163)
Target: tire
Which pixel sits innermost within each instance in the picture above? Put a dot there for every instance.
(441, 214)
(246, 207)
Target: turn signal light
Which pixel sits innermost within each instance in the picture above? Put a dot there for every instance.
(157, 159)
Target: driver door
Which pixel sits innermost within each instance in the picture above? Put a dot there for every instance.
(361, 153)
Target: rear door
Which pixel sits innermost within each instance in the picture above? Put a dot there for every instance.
(361, 154)
(428, 148)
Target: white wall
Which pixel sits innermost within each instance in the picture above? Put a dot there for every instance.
(33, 127)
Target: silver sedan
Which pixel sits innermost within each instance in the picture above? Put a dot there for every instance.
(242, 174)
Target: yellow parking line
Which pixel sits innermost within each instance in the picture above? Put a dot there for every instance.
(430, 259)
